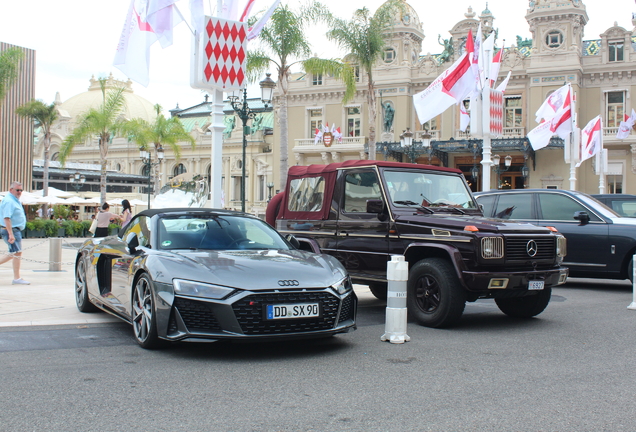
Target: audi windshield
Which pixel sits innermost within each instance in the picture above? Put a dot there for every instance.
(219, 233)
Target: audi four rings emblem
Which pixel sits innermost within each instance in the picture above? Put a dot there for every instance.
(288, 283)
(531, 248)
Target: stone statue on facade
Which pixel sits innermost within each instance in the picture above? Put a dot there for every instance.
(448, 48)
(229, 125)
(389, 114)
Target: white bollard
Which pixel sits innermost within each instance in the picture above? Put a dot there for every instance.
(633, 305)
(397, 272)
(55, 254)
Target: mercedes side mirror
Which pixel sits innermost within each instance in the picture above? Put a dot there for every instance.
(375, 206)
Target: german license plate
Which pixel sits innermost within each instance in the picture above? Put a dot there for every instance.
(287, 311)
(535, 285)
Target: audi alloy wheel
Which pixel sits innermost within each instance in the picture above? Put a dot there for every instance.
(143, 313)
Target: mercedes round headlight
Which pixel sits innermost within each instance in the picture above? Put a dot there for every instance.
(343, 286)
(199, 289)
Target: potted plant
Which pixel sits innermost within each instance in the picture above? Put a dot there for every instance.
(35, 228)
(86, 224)
(51, 228)
(113, 229)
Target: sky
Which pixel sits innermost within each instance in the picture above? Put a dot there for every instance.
(76, 39)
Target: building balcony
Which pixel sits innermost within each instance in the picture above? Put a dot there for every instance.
(508, 132)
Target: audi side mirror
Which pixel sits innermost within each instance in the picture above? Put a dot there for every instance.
(293, 241)
(133, 242)
(582, 216)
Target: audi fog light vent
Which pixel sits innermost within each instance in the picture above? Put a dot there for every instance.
(492, 247)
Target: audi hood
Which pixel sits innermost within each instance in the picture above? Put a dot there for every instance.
(254, 269)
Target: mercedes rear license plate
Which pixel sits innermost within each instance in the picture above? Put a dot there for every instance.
(535, 285)
(286, 311)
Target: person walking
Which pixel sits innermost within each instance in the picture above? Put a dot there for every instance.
(103, 220)
(127, 213)
(12, 222)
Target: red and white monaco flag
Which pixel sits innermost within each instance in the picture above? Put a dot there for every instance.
(495, 66)
(460, 81)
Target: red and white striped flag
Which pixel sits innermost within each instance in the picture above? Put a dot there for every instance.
(591, 139)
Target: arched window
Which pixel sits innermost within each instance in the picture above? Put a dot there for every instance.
(179, 169)
(145, 170)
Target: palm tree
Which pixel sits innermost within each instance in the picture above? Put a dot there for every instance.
(9, 62)
(364, 37)
(164, 131)
(43, 116)
(104, 122)
(283, 40)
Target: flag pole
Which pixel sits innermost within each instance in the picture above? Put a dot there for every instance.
(575, 142)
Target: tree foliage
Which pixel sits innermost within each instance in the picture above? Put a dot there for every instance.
(104, 122)
(284, 43)
(364, 37)
(9, 68)
(43, 117)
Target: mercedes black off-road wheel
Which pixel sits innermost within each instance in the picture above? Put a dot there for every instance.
(81, 288)
(435, 297)
(525, 307)
(378, 289)
(144, 320)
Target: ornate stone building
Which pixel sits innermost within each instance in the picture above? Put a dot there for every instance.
(601, 71)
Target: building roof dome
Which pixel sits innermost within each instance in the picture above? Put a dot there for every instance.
(136, 106)
(408, 17)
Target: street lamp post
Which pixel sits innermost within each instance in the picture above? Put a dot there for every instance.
(270, 186)
(406, 140)
(244, 112)
(77, 180)
(496, 159)
(146, 159)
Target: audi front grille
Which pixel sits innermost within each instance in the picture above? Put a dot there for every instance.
(249, 312)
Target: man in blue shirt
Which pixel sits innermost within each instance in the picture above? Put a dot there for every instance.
(12, 222)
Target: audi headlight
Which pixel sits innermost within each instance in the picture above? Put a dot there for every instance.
(199, 289)
(343, 286)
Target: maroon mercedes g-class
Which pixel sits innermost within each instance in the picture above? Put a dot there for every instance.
(364, 211)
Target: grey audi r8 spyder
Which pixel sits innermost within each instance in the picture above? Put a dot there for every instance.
(203, 274)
